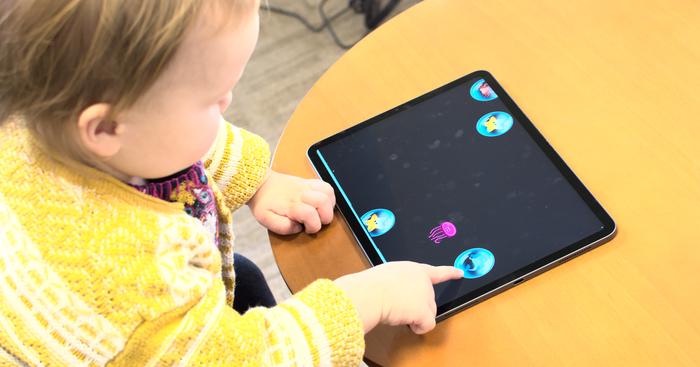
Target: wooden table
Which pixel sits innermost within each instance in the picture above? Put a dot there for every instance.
(615, 88)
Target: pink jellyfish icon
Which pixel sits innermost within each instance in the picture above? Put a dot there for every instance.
(444, 230)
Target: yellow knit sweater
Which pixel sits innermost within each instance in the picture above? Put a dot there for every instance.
(92, 272)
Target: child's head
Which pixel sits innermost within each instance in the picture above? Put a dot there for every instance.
(134, 87)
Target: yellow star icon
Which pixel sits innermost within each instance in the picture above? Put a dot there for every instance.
(371, 222)
(490, 124)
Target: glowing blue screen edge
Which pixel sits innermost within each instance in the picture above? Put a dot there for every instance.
(342, 192)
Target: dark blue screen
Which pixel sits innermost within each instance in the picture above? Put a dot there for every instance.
(452, 174)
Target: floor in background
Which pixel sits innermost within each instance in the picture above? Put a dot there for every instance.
(286, 63)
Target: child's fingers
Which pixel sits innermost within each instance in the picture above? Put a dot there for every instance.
(439, 274)
(306, 214)
(280, 224)
(424, 325)
(432, 305)
(321, 202)
(426, 322)
(324, 187)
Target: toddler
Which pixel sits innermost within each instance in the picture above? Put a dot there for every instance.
(119, 176)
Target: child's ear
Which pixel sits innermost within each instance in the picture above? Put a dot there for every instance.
(97, 134)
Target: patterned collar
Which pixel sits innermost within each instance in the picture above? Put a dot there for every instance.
(190, 187)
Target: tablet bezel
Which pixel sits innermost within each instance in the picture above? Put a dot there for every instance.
(519, 275)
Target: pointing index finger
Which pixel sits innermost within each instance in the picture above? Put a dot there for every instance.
(439, 274)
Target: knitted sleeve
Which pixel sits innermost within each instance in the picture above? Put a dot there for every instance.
(238, 161)
(318, 327)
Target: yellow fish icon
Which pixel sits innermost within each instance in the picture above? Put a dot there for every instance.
(371, 222)
(490, 124)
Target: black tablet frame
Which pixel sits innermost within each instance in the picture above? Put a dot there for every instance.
(519, 275)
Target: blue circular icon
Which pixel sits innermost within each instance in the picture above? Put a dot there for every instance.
(481, 91)
(494, 124)
(475, 262)
(378, 221)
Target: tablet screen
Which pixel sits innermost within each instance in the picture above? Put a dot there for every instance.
(459, 177)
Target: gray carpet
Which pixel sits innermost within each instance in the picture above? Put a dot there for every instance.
(286, 63)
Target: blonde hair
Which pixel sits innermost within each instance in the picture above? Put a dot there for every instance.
(57, 57)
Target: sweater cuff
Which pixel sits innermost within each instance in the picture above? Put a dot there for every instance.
(340, 321)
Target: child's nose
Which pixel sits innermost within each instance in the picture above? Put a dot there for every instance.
(225, 101)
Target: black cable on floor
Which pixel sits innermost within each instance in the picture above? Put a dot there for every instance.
(331, 30)
(325, 21)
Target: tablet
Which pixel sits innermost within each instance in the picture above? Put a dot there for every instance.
(460, 176)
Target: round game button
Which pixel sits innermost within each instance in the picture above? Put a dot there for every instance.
(494, 124)
(481, 91)
(378, 221)
(475, 262)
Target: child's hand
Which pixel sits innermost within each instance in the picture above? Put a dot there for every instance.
(397, 293)
(287, 204)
